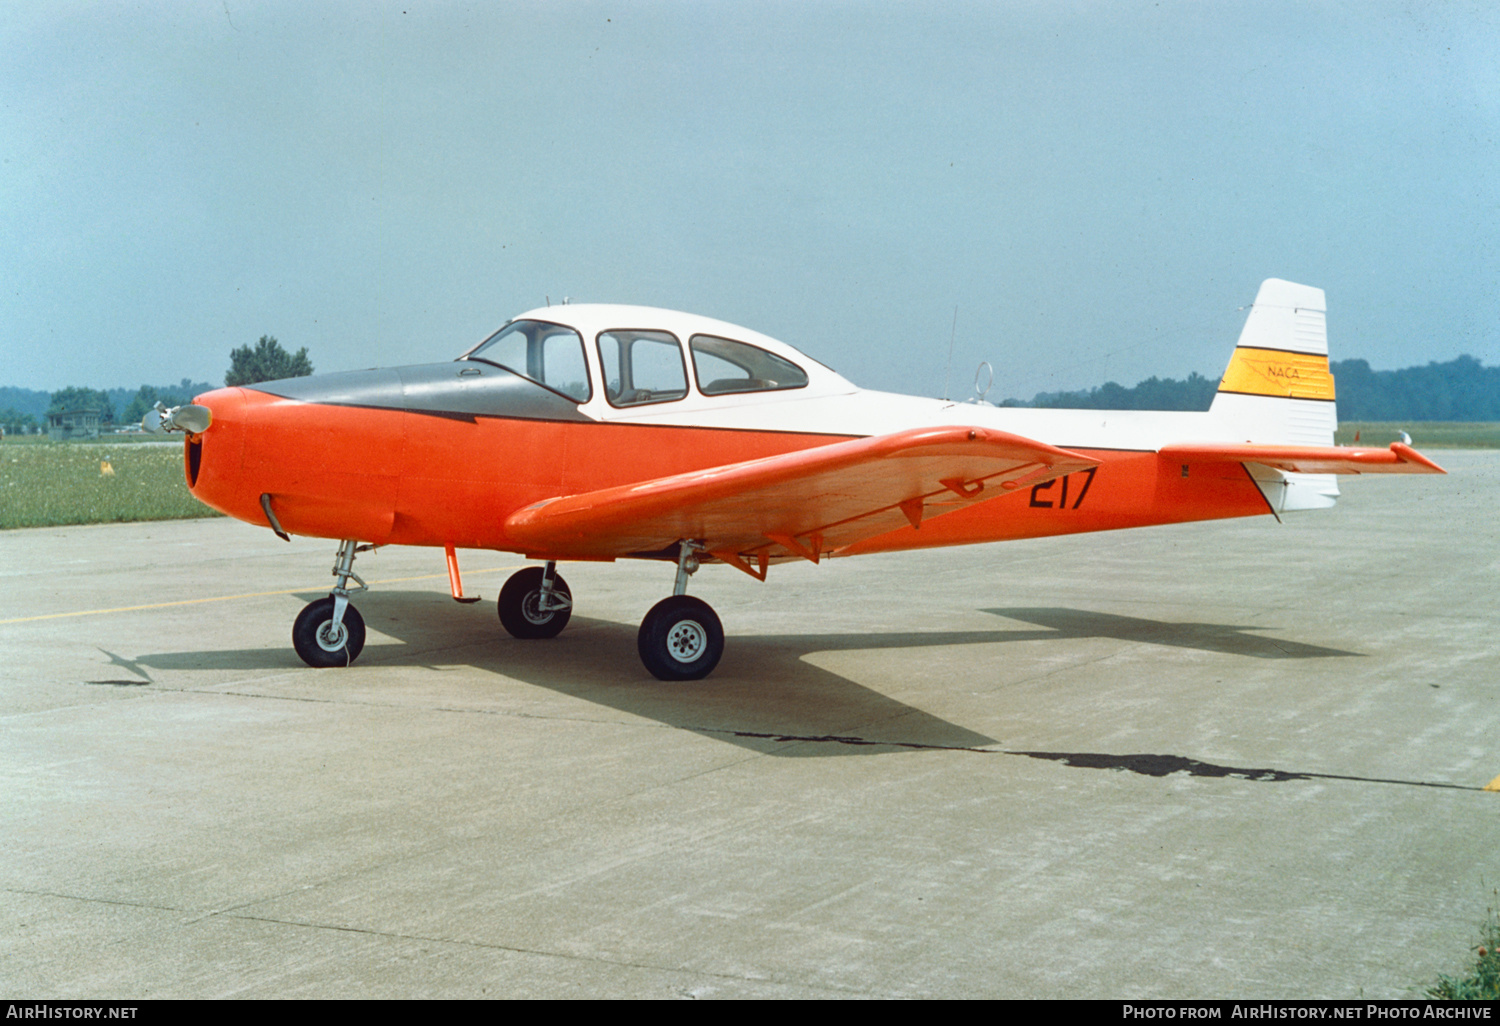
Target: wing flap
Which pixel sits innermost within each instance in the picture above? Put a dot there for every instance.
(1310, 459)
(802, 503)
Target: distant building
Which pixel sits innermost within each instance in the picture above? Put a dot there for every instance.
(67, 424)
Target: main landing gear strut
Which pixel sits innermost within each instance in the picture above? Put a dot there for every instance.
(535, 603)
(680, 638)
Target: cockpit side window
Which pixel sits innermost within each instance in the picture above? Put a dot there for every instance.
(641, 367)
(724, 366)
(549, 354)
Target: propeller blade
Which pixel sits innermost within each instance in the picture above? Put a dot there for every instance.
(192, 419)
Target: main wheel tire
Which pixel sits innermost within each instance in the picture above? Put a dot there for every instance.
(318, 644)
(680, 639)
(520, 605)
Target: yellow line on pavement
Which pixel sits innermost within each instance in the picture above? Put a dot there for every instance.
(249, 594)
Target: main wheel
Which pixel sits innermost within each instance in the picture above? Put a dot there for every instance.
(680, 639)
(521, 611)
(319, 644)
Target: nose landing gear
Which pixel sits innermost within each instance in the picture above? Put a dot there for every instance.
(329, 631)
(321, 641)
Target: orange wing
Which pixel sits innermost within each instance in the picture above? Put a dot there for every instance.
(803, 503)
(1310, 459)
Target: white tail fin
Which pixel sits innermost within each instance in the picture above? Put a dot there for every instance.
(1277, 388)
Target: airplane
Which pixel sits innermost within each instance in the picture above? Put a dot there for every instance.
(601, 432)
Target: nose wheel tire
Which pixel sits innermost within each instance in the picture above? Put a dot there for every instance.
(319, 643)
(521, 613)
(680, 639)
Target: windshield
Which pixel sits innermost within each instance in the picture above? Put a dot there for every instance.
(549, 354)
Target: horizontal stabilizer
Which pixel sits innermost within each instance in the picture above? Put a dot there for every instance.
(802, 503)
(1310, 459)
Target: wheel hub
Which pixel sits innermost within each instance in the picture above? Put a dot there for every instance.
(686, 641)
(531, 608)
(332, 637)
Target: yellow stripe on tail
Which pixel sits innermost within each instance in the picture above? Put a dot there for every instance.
(1276, 372)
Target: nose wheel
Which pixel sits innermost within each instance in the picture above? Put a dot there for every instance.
(321, 641)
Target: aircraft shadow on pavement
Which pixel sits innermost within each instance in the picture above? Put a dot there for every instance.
(1229, 639)
(765, 695)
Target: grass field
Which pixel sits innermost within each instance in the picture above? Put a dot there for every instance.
(1425, 434)
(1483, 982)
(45, 484)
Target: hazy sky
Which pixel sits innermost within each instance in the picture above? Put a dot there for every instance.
(1098, 187)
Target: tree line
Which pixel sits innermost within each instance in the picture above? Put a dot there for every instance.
(1462, 389)
(25, 411)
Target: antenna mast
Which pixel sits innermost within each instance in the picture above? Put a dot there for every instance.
(951, 336)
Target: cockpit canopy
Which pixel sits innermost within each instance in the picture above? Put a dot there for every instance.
(638, 366)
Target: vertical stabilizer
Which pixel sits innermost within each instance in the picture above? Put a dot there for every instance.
(1278, 388)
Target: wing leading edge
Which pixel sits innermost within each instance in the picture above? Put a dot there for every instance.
(805, 503)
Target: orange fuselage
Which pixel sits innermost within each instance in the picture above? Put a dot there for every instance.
(345, 468)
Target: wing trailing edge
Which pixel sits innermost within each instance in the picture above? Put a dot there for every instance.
(1309, 459)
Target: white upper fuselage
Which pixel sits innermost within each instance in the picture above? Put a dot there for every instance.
(831, 404)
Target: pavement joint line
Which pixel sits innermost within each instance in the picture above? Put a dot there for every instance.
(209, 689)
(234, 911)
(216, 690)
(1075, 665)
(231, 598)
(521, 715)
(94, 901)
(230, 913)
(540, 952)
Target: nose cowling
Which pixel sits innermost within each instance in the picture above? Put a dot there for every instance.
(213, 454)
(323, 454)
(410, 455)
